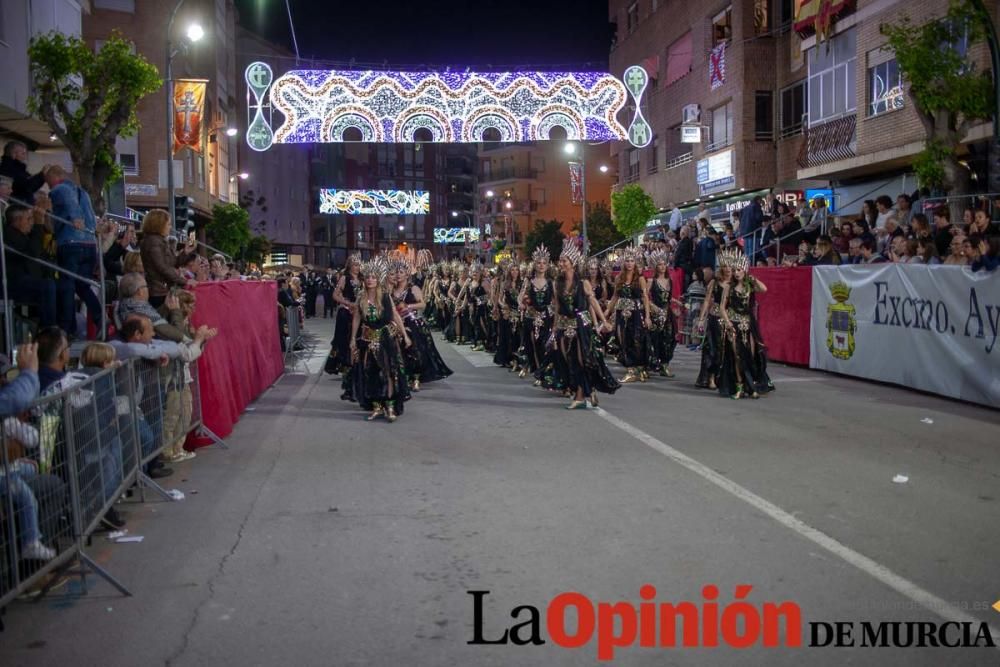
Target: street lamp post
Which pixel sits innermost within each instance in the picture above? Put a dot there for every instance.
(571, 149)
(195, 33)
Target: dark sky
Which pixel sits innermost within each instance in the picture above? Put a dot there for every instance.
(546, 34)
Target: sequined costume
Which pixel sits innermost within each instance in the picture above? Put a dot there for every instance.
(579, 359)
(630, 326)
(508, 326)
(711, 345)
(663, 334)
(422, 360)
(378, 377)
(340, 352)
(743, 363)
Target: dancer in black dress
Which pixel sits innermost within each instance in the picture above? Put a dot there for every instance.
(508, 316)
(378, 379)
(536, 297)
(344, 295)
(710, 325)
(577, 315)
(662, 332)
(477, 297)
(630, 305)
(422, 360)
(743, 369)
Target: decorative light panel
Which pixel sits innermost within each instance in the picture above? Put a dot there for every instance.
(319, 106)
(455, 234)
(374, 202)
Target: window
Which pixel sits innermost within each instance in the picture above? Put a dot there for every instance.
(722, 26)
(129, 163)
(633, 17)
(764, 115)
(653, 149)
(673, 148)
(116, 5)
(538, 194)
(678, 59)
(787, 9)
(885, 88)
(538, 162)
(793, 106)
(832, 78)
(127, 150)
(633, 165)
(761, 20)
(722, 127)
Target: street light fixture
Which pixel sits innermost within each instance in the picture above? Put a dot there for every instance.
(195, 32)
(231, 131)
(570, 149)
(603, 168)
(454, 214)
(244, 175)
(490, 193)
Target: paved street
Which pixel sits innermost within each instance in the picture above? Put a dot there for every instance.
(320, 539)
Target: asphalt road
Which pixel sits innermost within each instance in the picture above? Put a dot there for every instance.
(321, 539)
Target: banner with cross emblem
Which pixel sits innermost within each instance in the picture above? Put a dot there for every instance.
(189, 108)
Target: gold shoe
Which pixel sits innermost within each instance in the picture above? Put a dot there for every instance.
(593, 399)
(643, 375)
(577, 405)
(523, 374)
(376, 413)
(666, 372)
(538, 383)
(630, 376)
(416, 385)
(390, 413)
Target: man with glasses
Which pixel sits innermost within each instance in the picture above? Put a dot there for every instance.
(134, 300)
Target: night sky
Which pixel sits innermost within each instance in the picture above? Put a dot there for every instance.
(542, 34)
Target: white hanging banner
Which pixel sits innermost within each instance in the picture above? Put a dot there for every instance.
(932, 328)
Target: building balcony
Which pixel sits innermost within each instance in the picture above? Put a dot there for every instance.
(829, 142)
(509, 174)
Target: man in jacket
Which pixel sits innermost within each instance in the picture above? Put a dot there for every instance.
(14, 165)
(751, 220)
(76, 240)
(29, 281)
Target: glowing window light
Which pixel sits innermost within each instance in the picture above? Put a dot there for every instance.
(456, 234)
(374, 202)
(320, 106)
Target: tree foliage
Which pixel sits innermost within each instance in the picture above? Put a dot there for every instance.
(89, 98)
(547, 233)
(229, 230)
(601, 231)
(256, 206)
(948, 91)
(632, 208)
(257, 249)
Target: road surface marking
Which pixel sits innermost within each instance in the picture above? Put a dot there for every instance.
(876, 570)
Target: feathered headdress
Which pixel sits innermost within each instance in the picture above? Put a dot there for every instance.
(655, 257)
(733, 258)
(571, 251)
(541, 254)
(354, 257)
(424, 259)
(377, 266)
(630, 253)
(399, 264)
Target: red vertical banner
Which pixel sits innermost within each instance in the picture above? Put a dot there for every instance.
(576, 181)
(189, 109)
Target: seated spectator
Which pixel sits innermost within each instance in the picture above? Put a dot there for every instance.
(884, 207)
(188, 265)
(869, 254)
(854, 251)
(927, 251)
(842, 243)
(824, 253)
(158, 259)
(5, 188)
(904, 210)
(956, 256)
(968, 217)
(944, 231)
(28, 281)
(218, 268)
(132, 263)
(920, 228)
(982, 252)
(904, 251)
(134, 299)
(982, 226)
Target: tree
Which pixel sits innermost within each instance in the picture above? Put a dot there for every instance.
(601, 231)
(258, 248)
(88, 99)
(229, 230)
(632, 208)
(250, 201)
(547, 233)
(947, 90)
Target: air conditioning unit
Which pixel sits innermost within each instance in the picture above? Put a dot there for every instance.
(690, 114)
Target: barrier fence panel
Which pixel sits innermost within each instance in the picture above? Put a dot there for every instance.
(150, 398)
(36, 530)
(195, 388)
(294, 327)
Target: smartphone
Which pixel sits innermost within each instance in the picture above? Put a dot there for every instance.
(191, 237)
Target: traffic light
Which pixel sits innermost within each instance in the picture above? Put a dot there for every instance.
(183, 211)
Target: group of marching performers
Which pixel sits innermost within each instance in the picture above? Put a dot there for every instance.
(554, 324)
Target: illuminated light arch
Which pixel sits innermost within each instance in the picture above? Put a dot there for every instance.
(360, 118)
(496, 118)
(423, 118)
(558, 116)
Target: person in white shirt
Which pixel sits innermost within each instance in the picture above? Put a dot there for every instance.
(675, 217)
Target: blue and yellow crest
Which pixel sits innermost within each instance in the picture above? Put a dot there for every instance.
(840, 322)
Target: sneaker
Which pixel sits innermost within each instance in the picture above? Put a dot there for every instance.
(184, 455)
(160, 473)
(37, 551)
(113, 519)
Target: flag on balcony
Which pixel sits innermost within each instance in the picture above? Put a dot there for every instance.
(652, 66)
(817, 15)
(576, 182)
(189, 107)
(717, 66)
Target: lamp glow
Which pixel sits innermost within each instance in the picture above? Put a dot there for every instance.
(195, 32)
(231, 131)
(401, 228)
(454, 214)
(244, 176)
(489, 193)
(570, 148)
(603, 168)
(508, 206)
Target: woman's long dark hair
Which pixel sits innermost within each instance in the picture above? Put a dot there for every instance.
(636, 273)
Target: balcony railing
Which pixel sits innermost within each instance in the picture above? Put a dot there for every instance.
(507, 174)
(678, 161)
(828, 142)
(718, 145)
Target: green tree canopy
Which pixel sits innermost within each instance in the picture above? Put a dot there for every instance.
(948, 91)
(632, 208)
(89, 98)
(258, 248)
(547, 233)
(229, 230)
(601, 231)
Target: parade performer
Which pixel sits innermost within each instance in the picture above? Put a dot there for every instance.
(344, 295)
(536, 325)
(580, 359)
(378, 379)
(456, 299)
(710, 326)
(477, 299)
(662, 332)
(743, 369)
(422, 360)
(630, 304)
(508, 316)
(442, 306)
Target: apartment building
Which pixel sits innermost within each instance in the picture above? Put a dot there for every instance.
(208, 177)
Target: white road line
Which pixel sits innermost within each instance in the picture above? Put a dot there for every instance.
(874, 569)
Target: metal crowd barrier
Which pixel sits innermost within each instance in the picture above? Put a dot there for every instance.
(67, 460)
(294, 328)
(689, 326)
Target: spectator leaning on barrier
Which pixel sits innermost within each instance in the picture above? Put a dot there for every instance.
(981, 252)
(134, 292)
(158, 259)
(27, 281)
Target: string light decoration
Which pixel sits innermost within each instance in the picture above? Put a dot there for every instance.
(374, 202)
(456, 234)
(456, 107)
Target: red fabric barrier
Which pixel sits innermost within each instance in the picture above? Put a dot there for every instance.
(784, 312)
(245, 358)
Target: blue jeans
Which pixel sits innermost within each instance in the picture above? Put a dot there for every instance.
(81, 259)
(25, 507)
(750, 248)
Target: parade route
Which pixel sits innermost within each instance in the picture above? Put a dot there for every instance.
(320, 539)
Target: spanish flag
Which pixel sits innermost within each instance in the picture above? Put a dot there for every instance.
(818, 15)
(189, 108)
